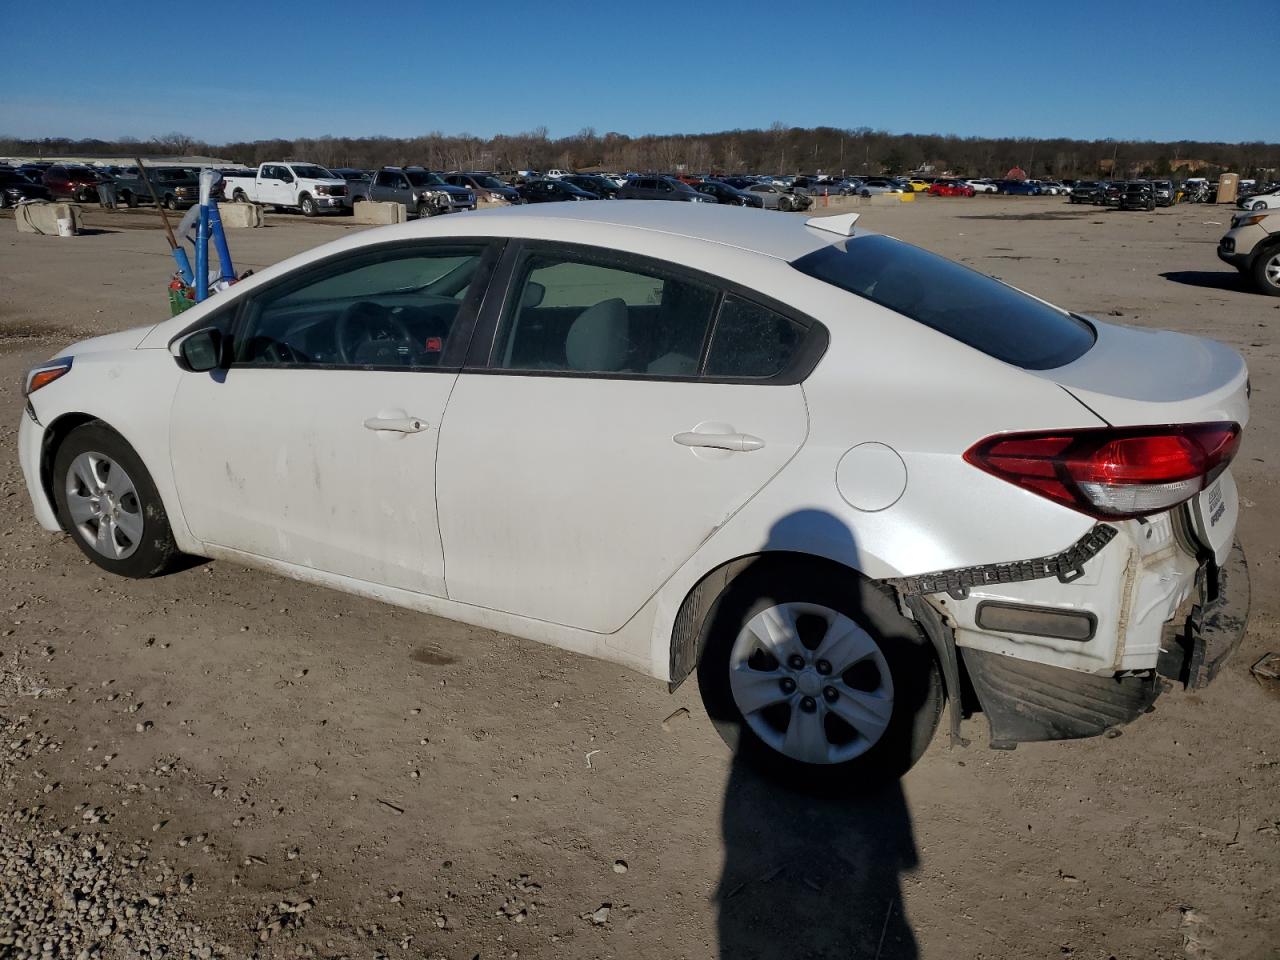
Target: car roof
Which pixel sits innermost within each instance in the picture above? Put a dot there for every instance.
(775, 235)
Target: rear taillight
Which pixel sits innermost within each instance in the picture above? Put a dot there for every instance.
(1112, 472)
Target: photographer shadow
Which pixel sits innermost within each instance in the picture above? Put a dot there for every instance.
(813, 872)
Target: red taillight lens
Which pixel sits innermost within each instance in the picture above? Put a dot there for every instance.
(1112, 472)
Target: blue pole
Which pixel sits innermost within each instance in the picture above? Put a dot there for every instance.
(202, 254)
(227, 270)
(184, 264)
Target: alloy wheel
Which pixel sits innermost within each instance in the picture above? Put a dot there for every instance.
(104, 505)
(811, 683)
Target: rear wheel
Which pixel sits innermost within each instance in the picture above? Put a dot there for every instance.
(813, 673)
(108, 503)
(1266, 271)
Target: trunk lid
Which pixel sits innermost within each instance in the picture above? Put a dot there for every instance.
(1137, 377)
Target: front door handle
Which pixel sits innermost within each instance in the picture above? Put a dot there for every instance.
(396, 424)
(737, 442)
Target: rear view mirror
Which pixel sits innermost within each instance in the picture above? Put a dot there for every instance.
(201, 351)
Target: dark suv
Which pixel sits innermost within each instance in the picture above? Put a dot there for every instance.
(177, 187)
(1138, 195)
(1083, 191)
(661, 188)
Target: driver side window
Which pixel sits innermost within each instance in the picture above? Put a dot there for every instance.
(381, 308)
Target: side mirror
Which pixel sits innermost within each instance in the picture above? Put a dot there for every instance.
(200, 351)
(532, 295)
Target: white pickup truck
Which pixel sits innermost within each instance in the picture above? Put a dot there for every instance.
(308, 187)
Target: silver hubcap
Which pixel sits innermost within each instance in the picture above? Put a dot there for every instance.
(104, 505)
(1273, 270)
(811, 683)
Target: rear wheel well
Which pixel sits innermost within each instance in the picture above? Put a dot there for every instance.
(54, 434)
(686, 633)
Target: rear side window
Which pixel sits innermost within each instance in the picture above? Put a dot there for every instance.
(971, 307)
(606, 315)
(751, 341)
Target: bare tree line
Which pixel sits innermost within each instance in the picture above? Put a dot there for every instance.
(778, 149)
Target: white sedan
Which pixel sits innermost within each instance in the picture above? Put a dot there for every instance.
(824, 472)
(983, 186)
(1261, 201)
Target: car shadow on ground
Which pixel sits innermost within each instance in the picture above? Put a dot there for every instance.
(811, 871)
(1211, 279)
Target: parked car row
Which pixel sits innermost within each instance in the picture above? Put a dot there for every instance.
(1125, 194)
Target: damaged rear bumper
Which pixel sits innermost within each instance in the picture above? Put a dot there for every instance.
(1026, 701)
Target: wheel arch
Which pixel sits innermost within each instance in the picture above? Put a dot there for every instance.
(55, 434)
(688, 639)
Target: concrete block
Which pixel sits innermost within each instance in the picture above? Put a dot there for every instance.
(240, 216)
(379, 212)
(41, 216)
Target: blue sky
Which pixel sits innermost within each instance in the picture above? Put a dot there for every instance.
(313, 68)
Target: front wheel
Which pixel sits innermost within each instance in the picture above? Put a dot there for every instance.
(108, 503)
(171, 202)
(813, 673)
(1266, 272)
(784, 204)
(308, 205)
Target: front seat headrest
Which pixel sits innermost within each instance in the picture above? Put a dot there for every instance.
(599, 339)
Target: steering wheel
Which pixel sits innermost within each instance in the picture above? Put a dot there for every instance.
(365, 322)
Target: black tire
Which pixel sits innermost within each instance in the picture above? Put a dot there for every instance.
(785, 204)
(918, 694)
(1268, 261)
(170, 202)
(308, 205)
(866, 193)
(155, 552)
(240, 196)
(129, 199)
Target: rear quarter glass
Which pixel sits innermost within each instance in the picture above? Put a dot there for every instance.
(953, 299)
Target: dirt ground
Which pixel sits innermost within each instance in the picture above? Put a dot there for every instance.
(295, 772)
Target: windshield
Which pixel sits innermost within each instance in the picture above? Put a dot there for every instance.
(420, 178)
(312, 172)
(490, 183)
(171, 176)
(962, 303)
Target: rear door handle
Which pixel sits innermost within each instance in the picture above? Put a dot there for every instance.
(396, 424)
(737, 442)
